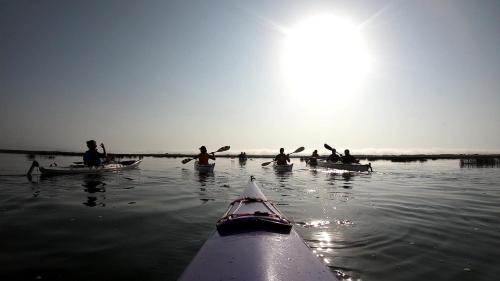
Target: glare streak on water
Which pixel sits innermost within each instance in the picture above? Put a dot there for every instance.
(417, 221)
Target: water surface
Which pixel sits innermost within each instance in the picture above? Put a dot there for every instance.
(417, 221)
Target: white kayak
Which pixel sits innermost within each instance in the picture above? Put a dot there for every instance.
(347, 167)
(255, 241)
(82, 169)
(204, 168)
(283, 168)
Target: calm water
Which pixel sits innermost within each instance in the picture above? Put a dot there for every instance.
(418, 221)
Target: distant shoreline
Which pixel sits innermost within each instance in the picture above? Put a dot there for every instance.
(389, 157)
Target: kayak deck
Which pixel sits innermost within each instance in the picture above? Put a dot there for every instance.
(246, 249)
(283, 168)
(81, 169)
(256, 255)
(348, 167)
(204, 168)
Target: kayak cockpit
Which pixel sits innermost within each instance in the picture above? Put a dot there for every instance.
(252, 214)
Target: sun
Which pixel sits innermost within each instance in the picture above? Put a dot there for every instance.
(324, 56)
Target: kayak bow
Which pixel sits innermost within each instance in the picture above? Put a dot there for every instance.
(254, 241)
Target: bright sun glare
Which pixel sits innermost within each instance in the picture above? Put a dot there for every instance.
(324, 57)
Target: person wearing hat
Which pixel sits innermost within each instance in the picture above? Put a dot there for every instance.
(204, 156)
(92, 157)
(282, 158)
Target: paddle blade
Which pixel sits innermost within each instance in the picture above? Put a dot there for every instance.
(328, 147)
(224, 148)
(266, 163)
(300, 149)
(186, 160)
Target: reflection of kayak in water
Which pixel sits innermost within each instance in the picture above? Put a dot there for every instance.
(204, 168)
(82, 169)
(283, 168)
(348, 167)
(254, 241)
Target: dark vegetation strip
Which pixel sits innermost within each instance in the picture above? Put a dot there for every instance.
(468, 158)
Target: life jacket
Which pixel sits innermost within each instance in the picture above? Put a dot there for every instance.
(203, 158)
(92, 158)
(281, 159)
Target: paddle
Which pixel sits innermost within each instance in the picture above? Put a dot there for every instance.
(300, 149)
(224, 148)
(330, 148)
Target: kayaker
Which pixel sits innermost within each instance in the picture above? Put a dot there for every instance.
(92, 157)
(348, 158)
(282, 158)
(334, 157)
(204, 156)
(242, 156)
(313, 160)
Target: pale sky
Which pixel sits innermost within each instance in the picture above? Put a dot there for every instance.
(169, 76)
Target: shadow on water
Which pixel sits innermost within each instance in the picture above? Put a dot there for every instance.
(204, 178)
(344, 179)
(283, 177)
(341, 179)
(95, 188)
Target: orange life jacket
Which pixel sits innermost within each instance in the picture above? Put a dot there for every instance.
(203, 158)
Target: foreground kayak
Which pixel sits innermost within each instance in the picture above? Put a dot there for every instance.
(347, 167)
(82, 169)
(254, 241)
(283, 168)
(204, 168)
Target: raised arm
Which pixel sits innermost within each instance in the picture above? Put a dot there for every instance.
(104, 154)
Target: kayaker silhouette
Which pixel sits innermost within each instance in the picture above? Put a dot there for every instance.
(92, 157)
(334, 157)
(313, 160)
(204, 156)
(282, 158)
(242, 156)
(348, 158)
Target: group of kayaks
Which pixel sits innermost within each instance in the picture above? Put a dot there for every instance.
(253, 240)
(131, 164)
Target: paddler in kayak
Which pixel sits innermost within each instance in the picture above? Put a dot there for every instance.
(348, 158)
(92, 157)
(204, 156)
(334, 157)
(242, 156)
(282, 158)
(313, 160)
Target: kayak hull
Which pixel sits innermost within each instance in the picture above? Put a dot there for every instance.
(284, 168)
(346, 167)
(259, 254)
(80, 169)
(204, 168)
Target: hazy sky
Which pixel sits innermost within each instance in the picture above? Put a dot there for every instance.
(159, 76)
